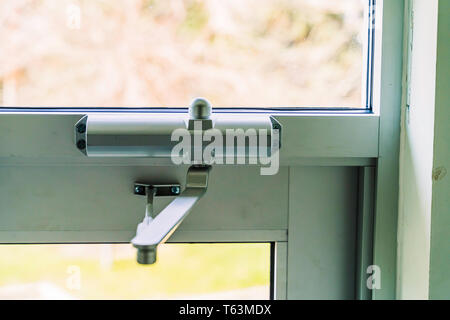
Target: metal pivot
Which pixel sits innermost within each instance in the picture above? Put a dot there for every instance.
(157, 229)
(200, 111)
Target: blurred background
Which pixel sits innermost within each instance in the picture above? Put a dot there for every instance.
(141, 53)
(110, 271)
(162, 53)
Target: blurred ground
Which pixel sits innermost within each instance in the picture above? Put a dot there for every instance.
(183, 271)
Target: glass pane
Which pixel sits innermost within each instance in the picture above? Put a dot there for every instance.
(139, 53)
(110, 271)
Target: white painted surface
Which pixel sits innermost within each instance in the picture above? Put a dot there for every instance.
(416, 155)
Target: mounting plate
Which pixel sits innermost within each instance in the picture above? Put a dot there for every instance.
(161, 190)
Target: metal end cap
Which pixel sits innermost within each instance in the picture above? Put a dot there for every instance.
(200, 109)
(146, 255)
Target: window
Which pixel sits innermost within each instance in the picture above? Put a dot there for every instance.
(110, 271)
(329, 212)
(156, 53)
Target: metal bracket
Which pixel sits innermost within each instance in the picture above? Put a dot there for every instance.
(152, 191)
(157, 229)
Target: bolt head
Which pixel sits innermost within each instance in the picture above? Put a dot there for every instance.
(175, 190)
(200, 109)
(81, 144)
(81, 128)
(139, 190)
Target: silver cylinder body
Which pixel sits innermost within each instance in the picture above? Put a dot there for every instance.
(152, 134)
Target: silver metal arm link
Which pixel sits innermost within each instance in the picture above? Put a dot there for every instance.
(159, 229)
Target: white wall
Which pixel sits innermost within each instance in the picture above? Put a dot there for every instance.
(440, 209)
(416, 154)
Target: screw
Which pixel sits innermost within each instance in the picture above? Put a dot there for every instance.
(81, 144)
(175, 190)
(139, 189)
(81, 128)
